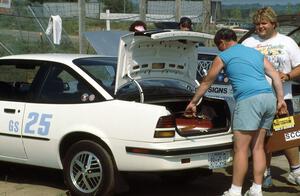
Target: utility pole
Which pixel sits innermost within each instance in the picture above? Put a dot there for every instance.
(177, 10)
(100, 9)
(206, 15)
(143, 10)
(81, 24)
(124, 6)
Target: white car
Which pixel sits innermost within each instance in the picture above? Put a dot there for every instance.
(94, 116)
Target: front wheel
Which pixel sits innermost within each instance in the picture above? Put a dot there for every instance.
(88, 169)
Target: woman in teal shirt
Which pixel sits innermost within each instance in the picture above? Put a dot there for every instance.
(255, 105)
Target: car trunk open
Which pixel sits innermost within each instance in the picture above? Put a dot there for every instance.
(160, 68)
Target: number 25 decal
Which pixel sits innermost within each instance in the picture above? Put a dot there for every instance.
(43, 122)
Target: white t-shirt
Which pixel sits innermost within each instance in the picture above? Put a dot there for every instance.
(282, 51)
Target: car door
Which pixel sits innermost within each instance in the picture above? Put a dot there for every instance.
(11, 117)
(15, 81)
(59, 103)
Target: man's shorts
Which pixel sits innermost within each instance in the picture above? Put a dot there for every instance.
(254, 112)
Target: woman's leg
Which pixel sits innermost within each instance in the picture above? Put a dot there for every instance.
(242, 141)
(259, 156)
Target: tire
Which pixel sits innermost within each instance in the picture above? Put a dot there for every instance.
(88, 170)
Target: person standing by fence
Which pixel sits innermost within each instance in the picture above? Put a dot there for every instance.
(185, 24)
(138, 26)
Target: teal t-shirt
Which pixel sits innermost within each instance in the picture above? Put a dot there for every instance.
(244, 67)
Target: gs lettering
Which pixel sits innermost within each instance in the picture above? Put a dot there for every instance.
(13, 126)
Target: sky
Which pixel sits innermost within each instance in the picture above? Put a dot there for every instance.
(263, 2)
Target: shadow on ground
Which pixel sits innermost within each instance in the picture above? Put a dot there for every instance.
(282, 186)
(17, 173)
(154, 184)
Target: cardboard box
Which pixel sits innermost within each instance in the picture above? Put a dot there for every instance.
(285, 134)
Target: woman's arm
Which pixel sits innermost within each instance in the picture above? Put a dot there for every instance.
(216, 67)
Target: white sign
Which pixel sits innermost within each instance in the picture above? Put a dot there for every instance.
(5, 3)
(220, 91)
(292, 135)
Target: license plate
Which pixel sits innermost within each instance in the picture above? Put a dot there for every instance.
(219, 159)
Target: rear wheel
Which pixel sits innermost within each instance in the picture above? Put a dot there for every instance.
(88, 169)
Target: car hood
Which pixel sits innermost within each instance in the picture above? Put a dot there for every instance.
(161, 55)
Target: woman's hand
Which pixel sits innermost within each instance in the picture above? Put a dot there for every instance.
(281, 107)
(191, 110)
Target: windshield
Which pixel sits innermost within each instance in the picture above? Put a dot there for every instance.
(102, 69)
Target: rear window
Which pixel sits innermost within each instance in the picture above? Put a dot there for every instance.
(204, 64)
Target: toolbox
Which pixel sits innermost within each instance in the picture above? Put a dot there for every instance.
(285, 134)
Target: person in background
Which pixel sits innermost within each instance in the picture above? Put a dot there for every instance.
(283, 52)
(138, 26)
(185, 24)
(253, 116)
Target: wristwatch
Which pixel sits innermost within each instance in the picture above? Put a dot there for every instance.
(289, 76)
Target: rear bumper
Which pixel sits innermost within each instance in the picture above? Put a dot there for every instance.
(178, 152)
(177, 155)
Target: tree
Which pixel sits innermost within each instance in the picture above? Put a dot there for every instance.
(236, 13)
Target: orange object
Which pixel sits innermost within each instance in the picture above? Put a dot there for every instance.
(285, 134)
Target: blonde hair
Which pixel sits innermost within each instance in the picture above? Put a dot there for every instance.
(266, 13)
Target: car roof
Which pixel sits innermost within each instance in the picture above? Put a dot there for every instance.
(55, 57)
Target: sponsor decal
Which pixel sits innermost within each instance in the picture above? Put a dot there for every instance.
(220, 91)
(294, 135)
(283, 123)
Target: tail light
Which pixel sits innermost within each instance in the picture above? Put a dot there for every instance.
(166, 122)
(165, 127)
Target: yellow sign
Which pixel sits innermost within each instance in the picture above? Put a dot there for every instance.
(283, 123)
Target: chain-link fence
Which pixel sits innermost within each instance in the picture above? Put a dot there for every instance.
(23, 28)
(24, 24)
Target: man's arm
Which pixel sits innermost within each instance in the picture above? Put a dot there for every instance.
(216, 67)
(277, 84)
(294, 74)
(293, 50)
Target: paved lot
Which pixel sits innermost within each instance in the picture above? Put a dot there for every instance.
(16, 180)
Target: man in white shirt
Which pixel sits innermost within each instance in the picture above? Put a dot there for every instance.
(284, 54)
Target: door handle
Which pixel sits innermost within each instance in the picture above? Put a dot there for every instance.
(10, 111)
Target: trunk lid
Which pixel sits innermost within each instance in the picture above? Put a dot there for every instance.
(159, 55)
